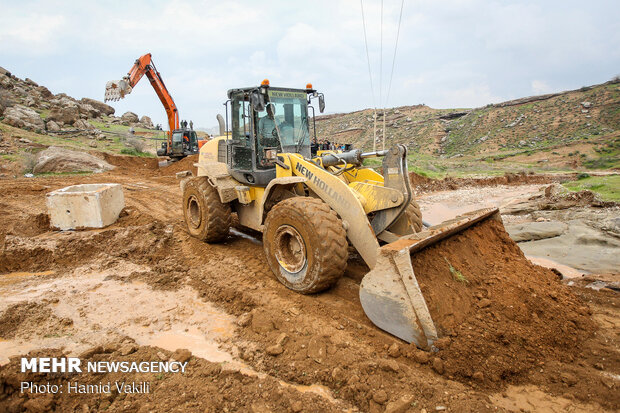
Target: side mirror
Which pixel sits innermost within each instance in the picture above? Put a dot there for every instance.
(321, 103)
(258, 101)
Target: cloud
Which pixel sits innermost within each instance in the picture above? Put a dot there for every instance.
(453, 53)
(36, 35)
(539, 87)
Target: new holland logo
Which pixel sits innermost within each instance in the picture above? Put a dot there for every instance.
(320, 185)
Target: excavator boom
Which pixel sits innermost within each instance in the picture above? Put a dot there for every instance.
(118, 89)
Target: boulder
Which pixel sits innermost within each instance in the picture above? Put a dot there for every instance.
(44, 92)
(31, 82)
(55, 159)
(52, 126)
(146, 122)
(64, 101)
(532, 231)
(89, 110)
(100, 106)
(4, 72)
(67, 115)
(5, 82)
(83, 124)
(23, 117)
(130, 117)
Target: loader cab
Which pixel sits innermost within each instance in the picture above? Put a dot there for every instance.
(265, 121)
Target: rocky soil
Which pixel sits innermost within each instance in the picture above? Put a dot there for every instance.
(27, 105)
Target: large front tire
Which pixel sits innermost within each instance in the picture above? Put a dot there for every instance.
(206, 217)
(305, 244)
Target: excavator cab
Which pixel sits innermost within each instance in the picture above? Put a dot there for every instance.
(184, 143)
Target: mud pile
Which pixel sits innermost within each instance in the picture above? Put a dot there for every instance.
(125, 163)
(185, 164)
(143, 243)
(498, 315)
(426, 184)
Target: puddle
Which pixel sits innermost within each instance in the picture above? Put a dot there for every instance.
(441, 206)
(567, 272)
(14, 277)
(103, 307)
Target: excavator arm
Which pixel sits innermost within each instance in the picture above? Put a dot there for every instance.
(116, 90)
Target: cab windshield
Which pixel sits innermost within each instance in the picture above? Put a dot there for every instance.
(285, 119)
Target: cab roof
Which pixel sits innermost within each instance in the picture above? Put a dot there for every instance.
(247, 90)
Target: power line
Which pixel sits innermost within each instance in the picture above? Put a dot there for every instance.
(395, 48)
(372, 89)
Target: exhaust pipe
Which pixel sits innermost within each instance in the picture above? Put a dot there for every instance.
(220, 121)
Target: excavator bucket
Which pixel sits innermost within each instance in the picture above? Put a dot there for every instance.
(116, 90)
(390, 294)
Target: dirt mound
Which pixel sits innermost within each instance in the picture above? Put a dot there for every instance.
(143, 243)
(55, 159)
(125, 162)
(204, 387)
(31, 316)
(426, 184)
(498, 315)
(185, 164)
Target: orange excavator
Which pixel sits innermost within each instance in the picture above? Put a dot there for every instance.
(181, 141)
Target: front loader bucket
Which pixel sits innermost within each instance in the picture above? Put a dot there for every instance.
(116, 90)
(390, 294)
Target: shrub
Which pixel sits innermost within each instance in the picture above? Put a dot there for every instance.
(28, 161)
(136, 144)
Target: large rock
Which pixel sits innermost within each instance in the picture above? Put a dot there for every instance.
(146, 122)
(23, 117)
(5, 82)
(52, 126)
(4, 72)
(532, 231)
(44, 92)
(89, 110)
(83, 124)
(55, 159)
(100, 106)
(67, 115)
(130, 117)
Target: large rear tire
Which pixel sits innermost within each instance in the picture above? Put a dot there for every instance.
(305, 244)
(206, 217)
(414, 215)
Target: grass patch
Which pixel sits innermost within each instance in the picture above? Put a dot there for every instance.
(456, 274)
(607, 187)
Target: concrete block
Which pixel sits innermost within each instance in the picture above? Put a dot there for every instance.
(85, 206)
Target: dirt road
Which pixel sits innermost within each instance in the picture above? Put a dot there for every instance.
(142, 288)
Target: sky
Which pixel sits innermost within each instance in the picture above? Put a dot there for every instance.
(450, 54)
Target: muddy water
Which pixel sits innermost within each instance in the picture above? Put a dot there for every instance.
(105, 301)
(567, 272)
(105, 304)
(441, 206)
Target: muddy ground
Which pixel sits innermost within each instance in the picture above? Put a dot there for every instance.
(515, 336)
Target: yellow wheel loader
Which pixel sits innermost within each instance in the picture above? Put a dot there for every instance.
(311, 208)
